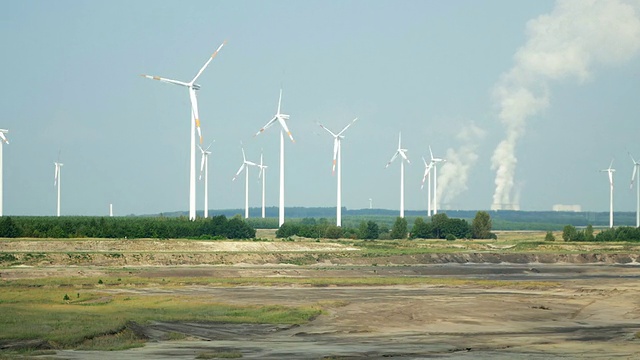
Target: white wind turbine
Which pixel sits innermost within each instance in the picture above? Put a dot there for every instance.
(434, 162)
(403, 154)
(610, 171)
(337, 140)
(262, 174)
(195, 125)
(56, 181)
(281, 119)
(245, 166)
(636, 165)
(3, 139)
(204, 166)
(427, 175)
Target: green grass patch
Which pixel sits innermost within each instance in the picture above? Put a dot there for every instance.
(219, 355)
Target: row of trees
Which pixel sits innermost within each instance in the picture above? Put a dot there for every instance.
(125, 227)
(439, 227)
(622, 233)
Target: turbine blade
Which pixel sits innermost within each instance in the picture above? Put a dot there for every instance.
(431, 153)
(632, 159)
(268, 125)
(399, 140)
(55, 175)
(395, 155)
(239, 171)
(194, 111)
(165, 80)
(346, 127)
(208, 61)
(336, 146)
(404, 156)
(279, 101)
(3, 137)
(329, 131)
(633, 177)
(204, 157)
(285, 127)
(424, 177)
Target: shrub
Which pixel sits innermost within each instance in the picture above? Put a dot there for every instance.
(549, 236)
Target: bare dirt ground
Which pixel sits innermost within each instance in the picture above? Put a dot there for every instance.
(592, 313)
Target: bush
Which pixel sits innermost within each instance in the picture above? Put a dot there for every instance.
(549, 236)
(450, 237)
(399, 230)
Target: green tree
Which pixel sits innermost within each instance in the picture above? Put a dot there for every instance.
(287, 230)
(368, 230)
(549, 236)
(569, 233)
(8, 228)
(399, 230)
(481, 226)
(421, 229)
(588, 233)
(333, 232)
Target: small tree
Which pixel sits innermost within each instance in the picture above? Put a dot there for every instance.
(399, 230)
(549, 236)
(569, 233)
(481, 226)
(421, 229)
(588, 233)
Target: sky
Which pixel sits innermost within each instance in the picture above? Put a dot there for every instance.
(527, 101)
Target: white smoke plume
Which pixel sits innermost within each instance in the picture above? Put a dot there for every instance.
(567, 42)
(454, 174)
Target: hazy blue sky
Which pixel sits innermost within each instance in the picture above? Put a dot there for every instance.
(432, 69)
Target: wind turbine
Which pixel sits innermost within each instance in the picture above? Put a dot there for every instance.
(281, 119)
(636, 165)
(434, 162)
(427, 175)
(245, 166)
(204, 166)
(610, 171)
(195, 125)
(403, 154)
(3, 139)
(57, 180)
(263, 174)
(337, 140)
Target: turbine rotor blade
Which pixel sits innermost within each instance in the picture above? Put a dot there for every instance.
(285, 127)
(194, 111)
(395, 155)
(3, 137)
(239, 171)
(329, 131)
(268, 125)
(346, 127)
(336, 146)
(279, 101)
(165, 80)
(633, 177)
(208, 61)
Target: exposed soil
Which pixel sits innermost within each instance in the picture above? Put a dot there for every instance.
(592, 312)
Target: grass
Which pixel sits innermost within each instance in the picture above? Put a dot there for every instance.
(41, 313)
(219, 355)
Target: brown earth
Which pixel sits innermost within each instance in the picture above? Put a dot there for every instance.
(590, 310)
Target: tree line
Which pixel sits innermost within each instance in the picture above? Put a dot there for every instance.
(621, 233)
(125, 227)
(440, 226)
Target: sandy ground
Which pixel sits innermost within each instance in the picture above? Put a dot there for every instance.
(594, 314)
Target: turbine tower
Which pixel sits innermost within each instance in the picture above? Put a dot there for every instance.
(281, 119)
(195, 125)
(245, 166)
(434, 162)
(3, 139)
(337, 140)
(56, 181)
(427, 175)
(262, 174)
(403, 154)
(204, 166)
(610, 171)
(636, 165)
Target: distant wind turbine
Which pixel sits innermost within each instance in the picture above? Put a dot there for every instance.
(262, 174)
(204, 166)
(402, 152)
(3, 139)
(337, 140)
(434, 162)
(427, 176)
(195, 125)
(245, 166)
(282, 120)
(610, 171)
(57, 180)
(636, 165)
